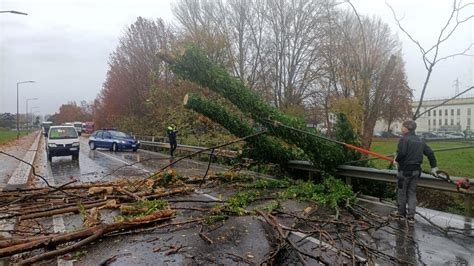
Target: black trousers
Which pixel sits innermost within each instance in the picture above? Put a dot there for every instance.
(173, 145)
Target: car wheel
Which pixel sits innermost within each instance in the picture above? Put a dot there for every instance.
(134, 149)
(92, 145)
(114, 147)
(75, 156)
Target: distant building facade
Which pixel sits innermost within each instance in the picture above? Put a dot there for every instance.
(456, 115)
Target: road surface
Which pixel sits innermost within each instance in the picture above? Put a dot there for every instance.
(238, 237)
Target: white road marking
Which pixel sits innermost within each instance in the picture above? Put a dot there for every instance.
(58, 227)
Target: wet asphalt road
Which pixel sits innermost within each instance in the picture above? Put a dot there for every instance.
(242, 236)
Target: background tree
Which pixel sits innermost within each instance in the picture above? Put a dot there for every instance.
(7, 120)
(431, 54)
(398, 106)
(133, 71)
(362, 63)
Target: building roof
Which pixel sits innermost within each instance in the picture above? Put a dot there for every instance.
(458, 101)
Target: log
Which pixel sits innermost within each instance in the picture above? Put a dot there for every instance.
(87, 232)
(74, 209)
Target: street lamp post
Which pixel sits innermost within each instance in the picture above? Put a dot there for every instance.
(27, 120)
(17, 107)
(14, 12)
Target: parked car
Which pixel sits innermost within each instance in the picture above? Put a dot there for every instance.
(455, 135)
(62, 141)
(113, 140)
(386, 134)
(429, 135)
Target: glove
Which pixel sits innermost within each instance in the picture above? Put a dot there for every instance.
(395, 165)
(434, 171)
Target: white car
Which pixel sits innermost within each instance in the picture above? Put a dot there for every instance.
(62, 141)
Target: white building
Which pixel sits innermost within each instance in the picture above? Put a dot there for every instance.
(455, 115)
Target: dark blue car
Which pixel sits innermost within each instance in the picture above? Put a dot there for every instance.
(113, 140)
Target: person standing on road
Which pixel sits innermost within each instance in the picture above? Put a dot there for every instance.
(410, 153)
(172, 131)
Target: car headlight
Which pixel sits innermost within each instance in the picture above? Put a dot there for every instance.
(123, 142)
(75, 144)
(52, 145)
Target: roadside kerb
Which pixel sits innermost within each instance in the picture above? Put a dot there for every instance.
(19, 178)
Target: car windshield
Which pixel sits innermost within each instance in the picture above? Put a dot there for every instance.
(118, 134)
(62, 133)
(78, 124)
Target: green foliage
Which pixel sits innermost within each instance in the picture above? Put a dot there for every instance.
(237, 203)
(270, 183)
(233, 177)
(262, 149)
(210, 219)
(332, 192)
(345, 132)
(143, 208)
(79, 254)
(194, 66)
(272, 206)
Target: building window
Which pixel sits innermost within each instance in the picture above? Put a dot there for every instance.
(429, 122)
(440, 122)
(458, 123)
(434, 112)
(459, 111)
(468, 111)
(446, 122)
(434, 122)
(440, 112)
(468, 121)
(446, 112)
(429, 113)
(452, 111)
(452, 122)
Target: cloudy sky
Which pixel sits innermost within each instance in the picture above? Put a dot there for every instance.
(64, 45)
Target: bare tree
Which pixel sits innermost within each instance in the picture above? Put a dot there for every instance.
(431, 54)
(361, 64)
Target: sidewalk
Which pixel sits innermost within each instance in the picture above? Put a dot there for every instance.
(17, 148)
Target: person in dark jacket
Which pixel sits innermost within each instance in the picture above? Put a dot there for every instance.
(409, 158)
(172, 131)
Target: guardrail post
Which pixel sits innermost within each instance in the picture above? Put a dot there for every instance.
(152, 138)
(349, 180)
(468, 205)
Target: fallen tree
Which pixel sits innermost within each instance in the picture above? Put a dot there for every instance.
(194, 66)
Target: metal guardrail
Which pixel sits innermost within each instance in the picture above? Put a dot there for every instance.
(425, 180)
(347, 171)
(217, 152)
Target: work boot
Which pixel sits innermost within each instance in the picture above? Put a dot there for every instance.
(396, 215)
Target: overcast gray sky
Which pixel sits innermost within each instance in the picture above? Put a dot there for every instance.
(64, 45)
